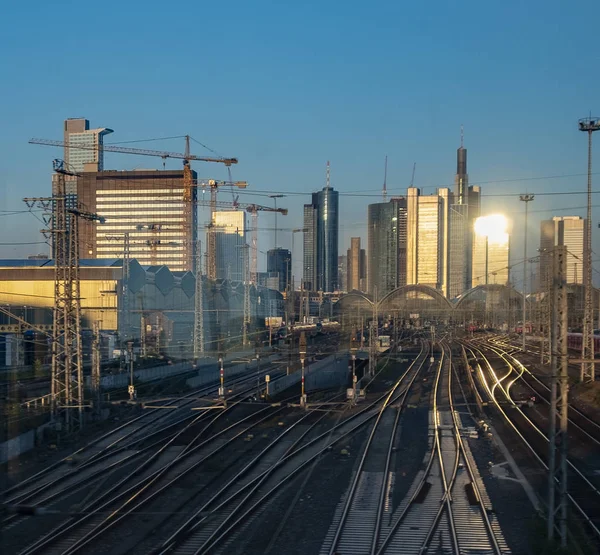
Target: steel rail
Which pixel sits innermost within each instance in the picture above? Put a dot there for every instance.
(358, 472)
(572, 500)
(457, 427)
(196, 520)
(134, 491)
(109, 449)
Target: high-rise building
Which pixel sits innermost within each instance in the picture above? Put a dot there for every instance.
(464, 209)
(387, 236)
(147, 205)
(568, 231)
(491, 249)
(357, 271)
(309, 268)
(343, 272)
(77, 132)
(321, 240)
(425, 252)
(229, 227)
(279, 261)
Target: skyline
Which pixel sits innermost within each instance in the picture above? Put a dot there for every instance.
(349, 100)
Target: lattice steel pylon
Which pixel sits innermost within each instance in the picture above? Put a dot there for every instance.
(198, 304)
(559, 402)
(67, 400)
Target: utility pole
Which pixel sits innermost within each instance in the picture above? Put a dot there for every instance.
(373, 341)
(246, 297)
(557, 456)
(96, 384)
(545, 312)
(198, 305)
(143, 336)
(131, 388)
(588, 125)
(353, 349)
(527, 198)
(302, 357)
(66, 388)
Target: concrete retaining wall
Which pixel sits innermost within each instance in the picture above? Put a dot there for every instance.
(121, 380)
(210, 374)
(327, 373)
(16, 446)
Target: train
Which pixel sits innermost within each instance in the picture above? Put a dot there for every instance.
(574, 341)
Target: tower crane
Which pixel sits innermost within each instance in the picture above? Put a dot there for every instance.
(254, 209)
(188, 181)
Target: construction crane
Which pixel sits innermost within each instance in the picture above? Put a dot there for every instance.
(138, 151)
(254, 209)
(214, 185)
(188, 181)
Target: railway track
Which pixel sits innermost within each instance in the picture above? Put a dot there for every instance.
(140, 485)
(446, 508)
(584, 495)
(115, 457)
(215, 525)
(578, 419)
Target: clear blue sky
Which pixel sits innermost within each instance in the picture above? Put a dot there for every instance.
(286, 87)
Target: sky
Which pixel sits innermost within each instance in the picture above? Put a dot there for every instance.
(287, 86)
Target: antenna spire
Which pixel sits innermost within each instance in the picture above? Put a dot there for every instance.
(327, 185)
(385, 181)
(462, 135)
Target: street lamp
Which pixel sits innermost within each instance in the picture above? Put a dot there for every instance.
(588, 125)
(527, 198)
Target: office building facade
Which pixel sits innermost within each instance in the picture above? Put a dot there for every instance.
(491, 251)
(321, 224)
(146, 206)
(343, 272)
(279, 261)
(425, 239)
(356, 271)
(568, 231)
(387, 243)
(77, 133)
(231, 250)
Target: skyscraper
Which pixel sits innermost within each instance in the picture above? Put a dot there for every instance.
(464, 209)
(491, 249)
(425, 239)
(387, 235)
(147, 205)
(343, 272)
(356, 265)
(309, 266)
(279, 261)
(321, 240)
(77, 132)
(229, 227)
(568, 231)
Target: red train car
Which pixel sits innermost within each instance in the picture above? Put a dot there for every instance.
(574, 341)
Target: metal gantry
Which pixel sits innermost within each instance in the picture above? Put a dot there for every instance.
(559, 402)
(588, 125)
